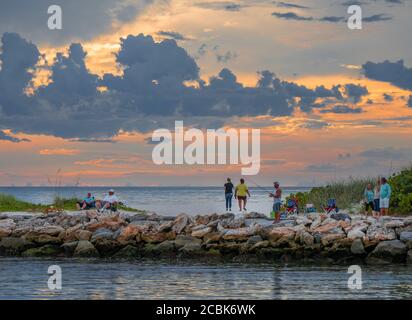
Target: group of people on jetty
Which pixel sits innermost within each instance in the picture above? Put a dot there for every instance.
(376, 198)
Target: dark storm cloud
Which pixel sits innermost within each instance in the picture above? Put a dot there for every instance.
(342, 109)
(324, 167)
(387, 97)
(386, 153)
(410, 102)
(330, 19)
(393, 72)
(173, 35)
(221, 5)
(377, 18)
(291, 16)
(18, 57)
(355, 92)
(282, 4)
(151, 93)
(82, 20)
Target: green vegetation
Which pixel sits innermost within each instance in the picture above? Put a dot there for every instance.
(349, 193)
(401, 183)
(11, 204)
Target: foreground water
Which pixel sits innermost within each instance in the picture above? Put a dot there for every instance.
(163, 200)
(23, 278)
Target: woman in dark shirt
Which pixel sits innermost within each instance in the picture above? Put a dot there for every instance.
(228, 194)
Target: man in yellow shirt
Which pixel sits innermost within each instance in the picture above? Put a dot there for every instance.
(241, 193)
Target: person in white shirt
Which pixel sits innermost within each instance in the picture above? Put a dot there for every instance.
(110, 201)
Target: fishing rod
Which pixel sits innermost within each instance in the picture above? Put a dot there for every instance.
(260, 187)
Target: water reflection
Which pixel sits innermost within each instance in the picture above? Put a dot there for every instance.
(27, 279)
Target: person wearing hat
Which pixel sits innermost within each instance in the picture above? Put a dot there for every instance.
(110, 201)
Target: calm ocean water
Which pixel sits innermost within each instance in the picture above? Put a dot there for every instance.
(163, 200)
(27, 279)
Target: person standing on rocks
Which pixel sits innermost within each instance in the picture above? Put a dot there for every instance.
(385, 196)
(277, 196)
(369, 195)
(241, 193)
(376, 198)
(228, 194)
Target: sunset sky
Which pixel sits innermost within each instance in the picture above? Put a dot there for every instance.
(83, 101)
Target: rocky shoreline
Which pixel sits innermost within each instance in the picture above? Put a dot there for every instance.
(315, 238)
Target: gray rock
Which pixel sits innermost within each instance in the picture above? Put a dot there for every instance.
(407, 221)
(191, 249)
(391, 251)
(357, 247)
(253, 240)
(167, 246)
(394, 224)
(102, 234)
(47, 250)
(69, 247)
(409, 257)
(14, 246)
(180, 223)
(182, 240)
(127, 252)
(201, 232)
(85, 249)
(356, 234)
(406, 237)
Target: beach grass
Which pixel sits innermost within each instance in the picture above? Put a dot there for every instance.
(12, 204)
(350, 192)
(9, 203)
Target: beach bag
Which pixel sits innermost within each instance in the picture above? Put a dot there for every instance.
(272, 214)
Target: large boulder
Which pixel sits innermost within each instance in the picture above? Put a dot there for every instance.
(50, 234)
(102, 234)
(287, 233)
(128, 234)
(180, 223)
(69, 247)
(356, 234)
(387, 252)
(153, 236)
(182, 240)
(241, 234)
(409, 257)
(14, 246)
(329, 227)
(305, 238)
(191, 249)
(357, 247)
(212, 237)
(112, 223)
(376, 232)
(200, 231)
(394, 224)
(6, 227)
(47, 250)
(406, 237)
(85, 249)
(128, 252)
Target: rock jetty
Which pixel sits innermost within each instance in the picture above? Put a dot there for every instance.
(314, 238)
